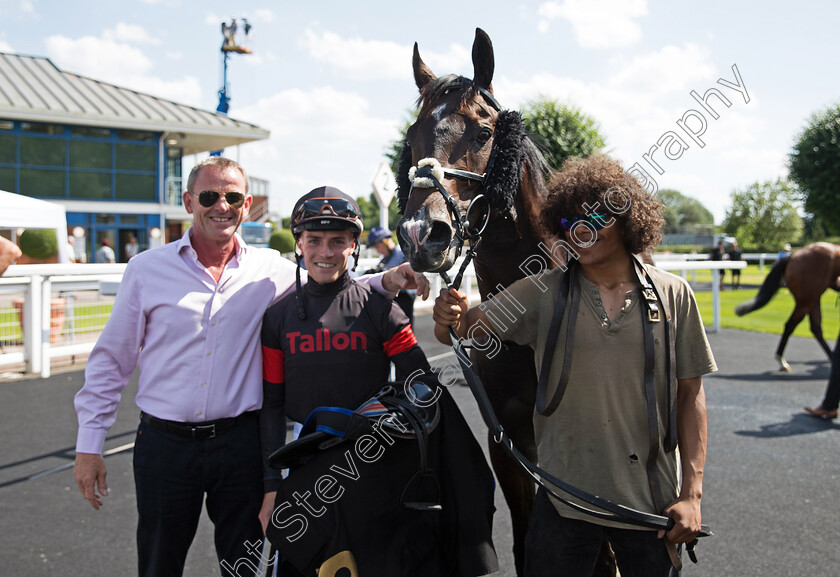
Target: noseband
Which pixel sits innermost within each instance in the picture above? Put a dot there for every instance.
(429, 173)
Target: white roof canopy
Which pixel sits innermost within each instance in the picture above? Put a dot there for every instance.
(18, 211)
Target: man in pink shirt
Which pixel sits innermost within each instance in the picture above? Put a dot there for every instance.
(188, 315)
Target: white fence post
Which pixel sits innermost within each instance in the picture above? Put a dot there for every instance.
(46, 329)
(716, 300)
(32, 325)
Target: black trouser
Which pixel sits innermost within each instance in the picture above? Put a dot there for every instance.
(559, 547)
(173, 474)
(832, 391)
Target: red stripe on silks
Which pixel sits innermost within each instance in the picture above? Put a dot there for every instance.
(400, 342)
(274, 365)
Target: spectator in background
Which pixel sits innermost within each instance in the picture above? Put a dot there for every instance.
(9, 253)
(71, 248)
(131, 247)
(717, 254)
(735, 254)
(381, 240)
(785, 252)
(105, 254)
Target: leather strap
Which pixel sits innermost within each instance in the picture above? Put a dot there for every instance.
(569, 291)
(651, 315)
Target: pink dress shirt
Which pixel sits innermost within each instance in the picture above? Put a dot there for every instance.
(196, 342)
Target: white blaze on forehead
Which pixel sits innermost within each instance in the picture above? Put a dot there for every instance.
(437, 111)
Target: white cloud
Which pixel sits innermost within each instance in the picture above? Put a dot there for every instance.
(597, 24)
(762, 163)
(642, 99)
(670, 69)
(376, 59)
(11, 10)
(131, 33)
(5, 46)
(263, 16)
(357, 56)
(213, 19)
(125, 66)
(334, 131)
(700, 187)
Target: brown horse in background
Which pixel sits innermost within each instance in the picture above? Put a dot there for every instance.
(807, 274)
(487, 167)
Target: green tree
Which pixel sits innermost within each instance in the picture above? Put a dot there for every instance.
(561, 130)
(683, 212)
(764, 215)
(38, 243)
(815, 166)
(813, 230)
(283, 241)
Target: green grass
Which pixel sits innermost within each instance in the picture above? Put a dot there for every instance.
(88, 318)
(772, 317)
(749, 276)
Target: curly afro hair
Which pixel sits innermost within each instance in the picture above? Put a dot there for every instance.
(599, 184)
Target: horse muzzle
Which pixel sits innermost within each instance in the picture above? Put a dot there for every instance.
(429, 244)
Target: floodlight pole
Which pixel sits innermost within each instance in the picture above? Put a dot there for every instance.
(229, 45)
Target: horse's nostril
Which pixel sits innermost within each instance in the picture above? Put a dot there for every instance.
(441, 233)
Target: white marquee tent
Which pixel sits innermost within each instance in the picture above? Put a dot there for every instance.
(18, 211)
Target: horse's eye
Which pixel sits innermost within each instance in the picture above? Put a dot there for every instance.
(484, 135)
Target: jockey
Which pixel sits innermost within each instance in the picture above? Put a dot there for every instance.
(329, 347)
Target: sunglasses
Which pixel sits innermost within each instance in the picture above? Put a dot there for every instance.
(316, 207)
(208, 198)
(597, 220)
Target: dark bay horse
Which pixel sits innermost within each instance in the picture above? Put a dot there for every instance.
(807, 274)
(481, 158)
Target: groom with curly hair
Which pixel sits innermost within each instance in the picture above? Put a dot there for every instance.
(622, 378)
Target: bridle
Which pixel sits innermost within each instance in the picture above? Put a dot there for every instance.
(429, 173)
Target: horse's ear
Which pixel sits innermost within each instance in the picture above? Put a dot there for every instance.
(482, 57)
(422, 74)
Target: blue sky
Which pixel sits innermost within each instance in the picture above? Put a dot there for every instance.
(332, 80)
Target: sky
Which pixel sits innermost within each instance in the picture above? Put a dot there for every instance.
(332, 80)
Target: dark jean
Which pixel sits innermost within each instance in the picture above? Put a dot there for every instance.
(173, 474)
(556, 546)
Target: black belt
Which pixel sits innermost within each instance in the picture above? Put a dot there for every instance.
(195, 431)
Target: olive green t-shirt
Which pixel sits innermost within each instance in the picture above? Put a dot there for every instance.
(598, 438)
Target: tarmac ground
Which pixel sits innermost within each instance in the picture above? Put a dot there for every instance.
(771, 475)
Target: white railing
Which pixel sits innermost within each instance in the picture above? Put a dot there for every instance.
(714, 265)
(54, 310)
